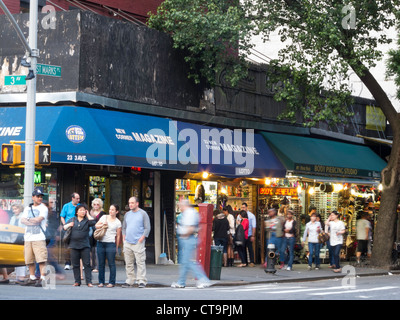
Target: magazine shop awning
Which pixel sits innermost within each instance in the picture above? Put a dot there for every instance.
(303, 155)
(230, 153)
(82, 135)
(99, 137)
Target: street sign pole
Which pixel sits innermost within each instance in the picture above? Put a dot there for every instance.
(31, 107)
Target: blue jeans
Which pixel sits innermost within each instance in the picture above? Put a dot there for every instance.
(336, 255)
(188, 261)
(314, 248)
(330, 248)
(106, 250)
(289, 242)
(222, 242)
(277, 241)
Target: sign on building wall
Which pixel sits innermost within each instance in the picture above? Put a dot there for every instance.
(375, 119)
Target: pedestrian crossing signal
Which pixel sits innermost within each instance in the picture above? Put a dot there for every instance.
(10, 154)
(42, 154)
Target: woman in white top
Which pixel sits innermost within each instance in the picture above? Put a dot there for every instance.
(313, 229)
(337, 229)
(108, 245)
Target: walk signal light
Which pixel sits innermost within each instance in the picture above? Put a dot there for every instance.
(10, 154)
(42, 154)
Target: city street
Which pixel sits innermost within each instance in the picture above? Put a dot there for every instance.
(374, 288)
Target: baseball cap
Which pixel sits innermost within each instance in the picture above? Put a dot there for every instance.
(37, 192)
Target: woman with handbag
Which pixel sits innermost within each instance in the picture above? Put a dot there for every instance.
(79, 243)
(241, 248)
(108, 244)
(96, 213)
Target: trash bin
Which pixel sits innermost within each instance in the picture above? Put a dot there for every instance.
(216, 262)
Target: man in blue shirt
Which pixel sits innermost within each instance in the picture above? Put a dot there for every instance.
(135, 229)
(68, 212)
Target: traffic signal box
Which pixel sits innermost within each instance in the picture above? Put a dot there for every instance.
(11, 154)
(42, 154)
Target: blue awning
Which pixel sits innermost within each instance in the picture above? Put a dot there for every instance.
(98, 137)
(231, 153)
(82, 135)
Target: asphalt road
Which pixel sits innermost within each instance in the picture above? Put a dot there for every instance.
(360, 288)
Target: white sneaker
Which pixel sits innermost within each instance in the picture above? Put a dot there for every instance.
(177, 285)
(202, 285)
(67, 267)
(289, 269)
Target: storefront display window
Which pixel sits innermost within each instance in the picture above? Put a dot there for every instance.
(12, 187)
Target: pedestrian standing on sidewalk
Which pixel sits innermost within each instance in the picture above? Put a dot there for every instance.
(221, 232)
(187, 230)
(79, 243)
(251, 234)
(290, 237)
(328, 244)
(313, 229)
(337, 230)
(231, 219)
(68, 212)
(34, 218)
(244, 222)
(135, 229)
(107, 246)
(363, 228)
(96, 213)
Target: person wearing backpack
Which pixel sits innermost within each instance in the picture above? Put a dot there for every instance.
(242, 236)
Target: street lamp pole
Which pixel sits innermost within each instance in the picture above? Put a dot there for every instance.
(33, 53)
(31, 106)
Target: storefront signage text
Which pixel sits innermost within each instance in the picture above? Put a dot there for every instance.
(335, 171)
(269, 191)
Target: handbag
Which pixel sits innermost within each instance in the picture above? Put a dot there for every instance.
(323, 237)
(239, 236)
(67, 235)
(99, 233)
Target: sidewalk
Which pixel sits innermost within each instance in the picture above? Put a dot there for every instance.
(164, 275)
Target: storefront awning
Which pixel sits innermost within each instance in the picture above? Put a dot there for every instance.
(90, 136)
(231, 153)
(98, 137)
(303, 155)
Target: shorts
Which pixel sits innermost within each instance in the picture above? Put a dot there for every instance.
(35, 251)
(362, 246)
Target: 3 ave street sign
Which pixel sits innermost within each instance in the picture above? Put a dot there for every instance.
(48, 70)
(15, 80)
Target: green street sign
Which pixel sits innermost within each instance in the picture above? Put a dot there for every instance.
(16, 80)
(48, 70)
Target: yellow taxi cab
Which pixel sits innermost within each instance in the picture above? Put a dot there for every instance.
(11, 246)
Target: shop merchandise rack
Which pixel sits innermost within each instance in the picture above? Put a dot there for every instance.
(325, 203)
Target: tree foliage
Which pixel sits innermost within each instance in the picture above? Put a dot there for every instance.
(325, 39)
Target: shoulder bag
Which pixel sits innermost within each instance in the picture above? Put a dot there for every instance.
(67, 235)
(239, 236)
(99, 233)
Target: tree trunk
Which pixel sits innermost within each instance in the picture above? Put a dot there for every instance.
(384, 235)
